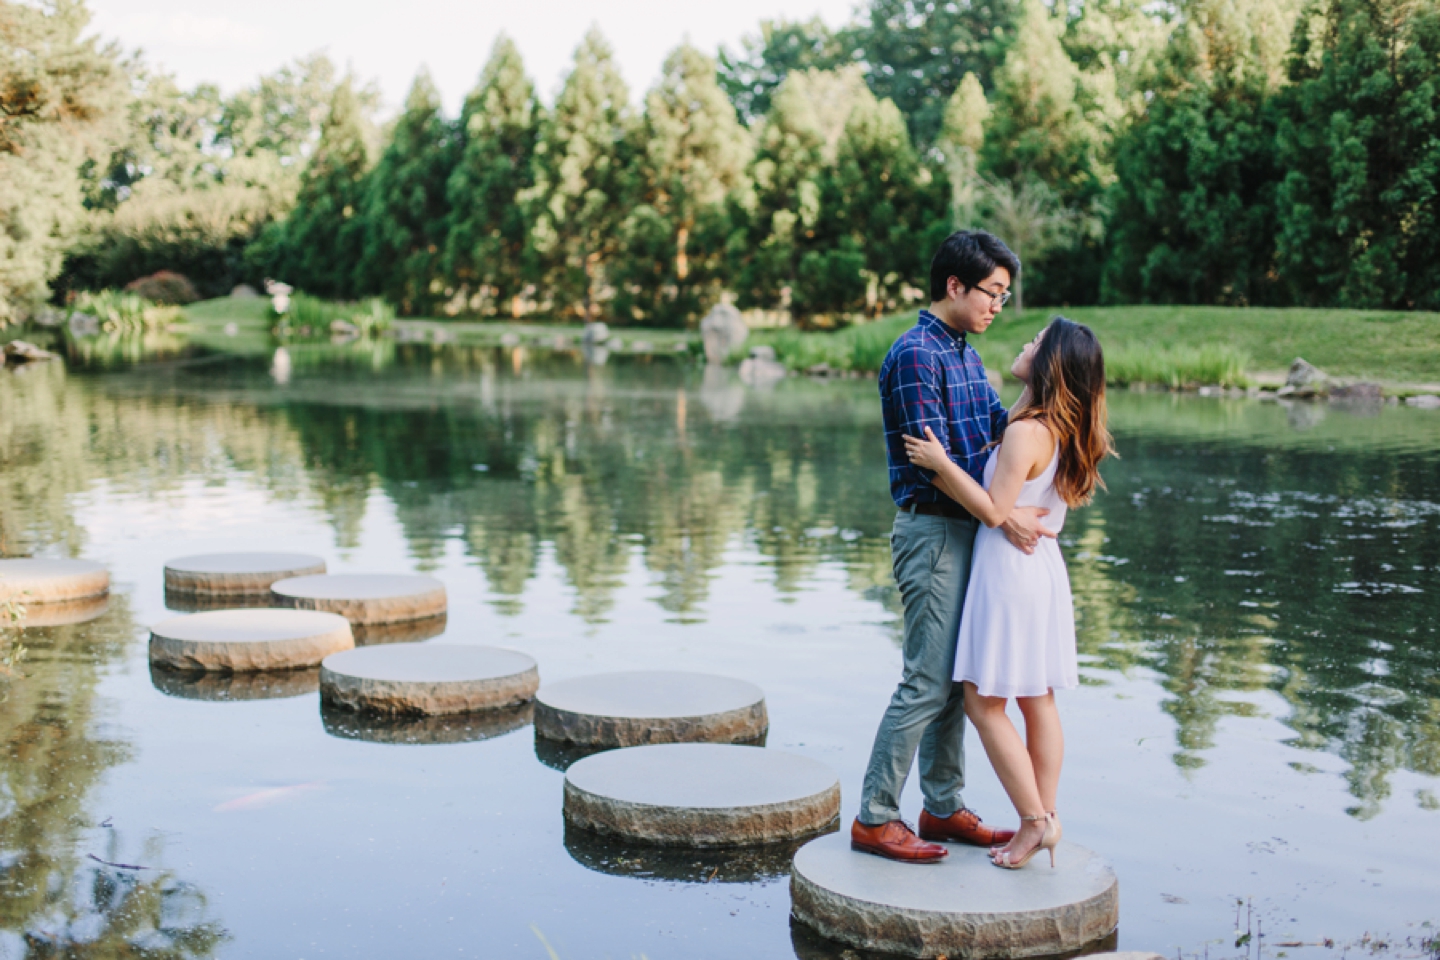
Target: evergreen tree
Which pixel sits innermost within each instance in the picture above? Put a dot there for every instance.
(1194, 199)
(1359, 205)
(916, 52)
(777, 218)
(317, 246)
(486, 248)
(752, 76)
(696, 153)
(882, 215)
(581, 164)
(962, 135)
(62, 100)
(405, 210)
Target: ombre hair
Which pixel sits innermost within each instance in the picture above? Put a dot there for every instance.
(1067, 394)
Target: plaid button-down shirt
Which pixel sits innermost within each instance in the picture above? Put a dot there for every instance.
(932, 377)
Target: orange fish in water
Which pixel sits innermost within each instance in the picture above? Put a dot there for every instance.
(263, 798)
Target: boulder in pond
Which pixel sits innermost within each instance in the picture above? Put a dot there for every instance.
(20, 351)
(723, 331)
(1428, 401)
(596, 333)
(1305, 380)
(1356, 391)
(83, 324)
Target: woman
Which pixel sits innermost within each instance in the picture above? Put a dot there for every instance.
(1017, 633)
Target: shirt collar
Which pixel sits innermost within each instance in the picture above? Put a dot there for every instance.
(930, 321)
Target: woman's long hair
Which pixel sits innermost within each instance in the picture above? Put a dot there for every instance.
(1067, 393)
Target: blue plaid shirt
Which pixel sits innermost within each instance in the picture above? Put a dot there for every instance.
(931, 376)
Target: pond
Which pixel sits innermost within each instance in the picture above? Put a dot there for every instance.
(1255, 746)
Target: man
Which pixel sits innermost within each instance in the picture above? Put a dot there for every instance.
(933, 377)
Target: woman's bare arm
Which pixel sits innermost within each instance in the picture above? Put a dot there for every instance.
(1022, 450)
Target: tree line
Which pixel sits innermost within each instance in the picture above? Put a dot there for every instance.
(1209, 151)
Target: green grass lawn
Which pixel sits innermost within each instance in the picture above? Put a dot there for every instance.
(1201, 343)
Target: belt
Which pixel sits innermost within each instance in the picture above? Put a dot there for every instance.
(941, 508)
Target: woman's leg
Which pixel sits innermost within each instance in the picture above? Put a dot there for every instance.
(1012, 764)
(1045, 744)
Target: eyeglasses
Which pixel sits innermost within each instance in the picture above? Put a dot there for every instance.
(1003, 296)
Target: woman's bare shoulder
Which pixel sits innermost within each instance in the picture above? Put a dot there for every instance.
(1027, 431)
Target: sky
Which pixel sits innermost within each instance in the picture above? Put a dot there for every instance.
(233, 43)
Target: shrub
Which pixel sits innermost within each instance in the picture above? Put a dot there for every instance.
(369, 317)
(164, 286)
(125, 312)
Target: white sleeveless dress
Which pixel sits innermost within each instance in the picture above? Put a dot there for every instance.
(1017, 630)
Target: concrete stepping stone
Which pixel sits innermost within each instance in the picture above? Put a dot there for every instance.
(259, 685)
(650, 706)
(244, 640)
(701, 794)
(447, 728)
(67, 612)
(960, 907)
(364, 598)
(407, 631)
(31, 580)
(227, 574)
(429, 679)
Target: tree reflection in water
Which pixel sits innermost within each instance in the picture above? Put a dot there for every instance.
(1235, 555)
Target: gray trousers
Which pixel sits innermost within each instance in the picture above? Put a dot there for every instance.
(932, 568)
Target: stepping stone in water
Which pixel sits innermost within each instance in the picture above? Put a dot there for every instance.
(701, 794)
(428, 679)
(364, 598)
(260, 685)
(650, 706)
(35, 581)
(246, 640)
(237, 573)
(448, 728)
(960, 907)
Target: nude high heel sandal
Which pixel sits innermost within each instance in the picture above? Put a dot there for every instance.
(1048, 841)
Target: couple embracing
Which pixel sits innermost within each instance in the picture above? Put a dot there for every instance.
(981, 493)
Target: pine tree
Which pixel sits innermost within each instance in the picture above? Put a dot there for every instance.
(916, 53)
(695, 155)
(63, 102)
(798, 139)
(317, 246)
(1193, 204)
(882, 215)
(782, 47)
(581, 164)
(1359, 205)
(405, 209)
(485, 252)
(962, 136)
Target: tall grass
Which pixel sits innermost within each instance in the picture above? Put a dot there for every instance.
(1176, 367)
(368, 316)
(126, 312)
(863, 348)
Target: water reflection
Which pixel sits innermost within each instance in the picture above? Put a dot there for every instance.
(457, 728)
(59, 897)
(561, 756)
(409, 631)
(218, 685)
(646, 862)
(67, 612)
(809, 945)
(1239, 552)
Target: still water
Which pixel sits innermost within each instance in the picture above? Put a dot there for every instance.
(1257, 739)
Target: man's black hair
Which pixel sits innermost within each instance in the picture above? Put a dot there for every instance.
(969, 256)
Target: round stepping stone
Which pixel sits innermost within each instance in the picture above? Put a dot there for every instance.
(701, 794)
(67, 612)
(208, 685)
(650, 706)
(408, 631)
(365, 598)
(961, 907)
(450, 728)
(430, 679)
(246, 640)
(237, 573)
(35, 581)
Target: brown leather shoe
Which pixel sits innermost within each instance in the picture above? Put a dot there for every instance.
(895, 841)
(962, 826)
